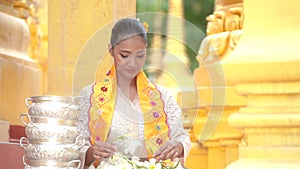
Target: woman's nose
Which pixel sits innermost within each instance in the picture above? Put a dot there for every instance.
(131, 61)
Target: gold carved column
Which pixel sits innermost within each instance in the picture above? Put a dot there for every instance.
(264, 67)
(19, 73)
(175, 74)
(218, 99)
(35, 13)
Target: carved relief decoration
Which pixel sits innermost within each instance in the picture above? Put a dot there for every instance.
(224, 30)
(27, 10)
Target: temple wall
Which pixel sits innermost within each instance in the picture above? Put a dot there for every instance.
(40, 43)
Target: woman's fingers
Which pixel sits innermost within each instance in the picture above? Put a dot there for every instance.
(101, 154)
(103, 150)
(175, 155)
(170, 152)
(107, 147)
(165, 148)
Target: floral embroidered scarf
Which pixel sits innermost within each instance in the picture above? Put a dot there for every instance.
(156, 129)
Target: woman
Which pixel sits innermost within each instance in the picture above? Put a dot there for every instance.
(127, 113)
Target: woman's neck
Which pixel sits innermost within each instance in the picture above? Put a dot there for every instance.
(127, 86)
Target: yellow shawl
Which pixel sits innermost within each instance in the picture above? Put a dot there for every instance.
(102, 108)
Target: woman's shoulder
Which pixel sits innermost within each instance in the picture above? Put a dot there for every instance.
(171, 105)
(165, 92)
(162, 88)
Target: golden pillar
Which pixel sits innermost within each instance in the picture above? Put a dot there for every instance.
(176, 27)
(156, 52)
(264, 67)
(35, 13)
(176, 74)
(72, 25)
(217, 98)
(19, 74)
(123, 8)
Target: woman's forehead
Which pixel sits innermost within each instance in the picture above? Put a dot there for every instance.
(134, 42)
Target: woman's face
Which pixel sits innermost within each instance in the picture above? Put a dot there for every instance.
(129, 56)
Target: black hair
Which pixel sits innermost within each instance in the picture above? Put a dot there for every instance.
(126, 28)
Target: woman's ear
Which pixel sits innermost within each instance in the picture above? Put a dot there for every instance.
(110, 49)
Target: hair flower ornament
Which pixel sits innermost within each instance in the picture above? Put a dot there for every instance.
(146, 26)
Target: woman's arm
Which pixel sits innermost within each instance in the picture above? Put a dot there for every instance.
(90, 153)
(83, 122)
(179, 137)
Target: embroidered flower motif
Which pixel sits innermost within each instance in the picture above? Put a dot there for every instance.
(157, 127)
(108, 73)
(101, 99)
(155, 114)
(153, 103)
(106, 80)
(97, 125)
(104, 89)
(98, 138)
(159, 141)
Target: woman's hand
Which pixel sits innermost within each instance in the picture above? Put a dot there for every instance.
(98, 151)
(169, 150)
(103, 150)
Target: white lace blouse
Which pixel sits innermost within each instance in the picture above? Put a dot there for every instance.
(127, 127)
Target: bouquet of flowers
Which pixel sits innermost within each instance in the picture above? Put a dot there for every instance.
(118, 161)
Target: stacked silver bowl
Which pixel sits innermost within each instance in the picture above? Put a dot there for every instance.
(53, 139)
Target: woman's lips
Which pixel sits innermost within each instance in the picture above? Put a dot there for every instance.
(131, 71)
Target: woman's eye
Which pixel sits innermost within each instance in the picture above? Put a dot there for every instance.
(123, 56)
(140, 56)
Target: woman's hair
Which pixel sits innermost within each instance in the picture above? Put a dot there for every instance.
(126, 28)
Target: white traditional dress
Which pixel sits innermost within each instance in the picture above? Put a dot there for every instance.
(127, 125)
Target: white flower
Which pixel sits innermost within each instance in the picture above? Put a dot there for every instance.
(119, 161)
(132, 146)
(136, 163)
(115, 162)
(123, 166)
(151, 164)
